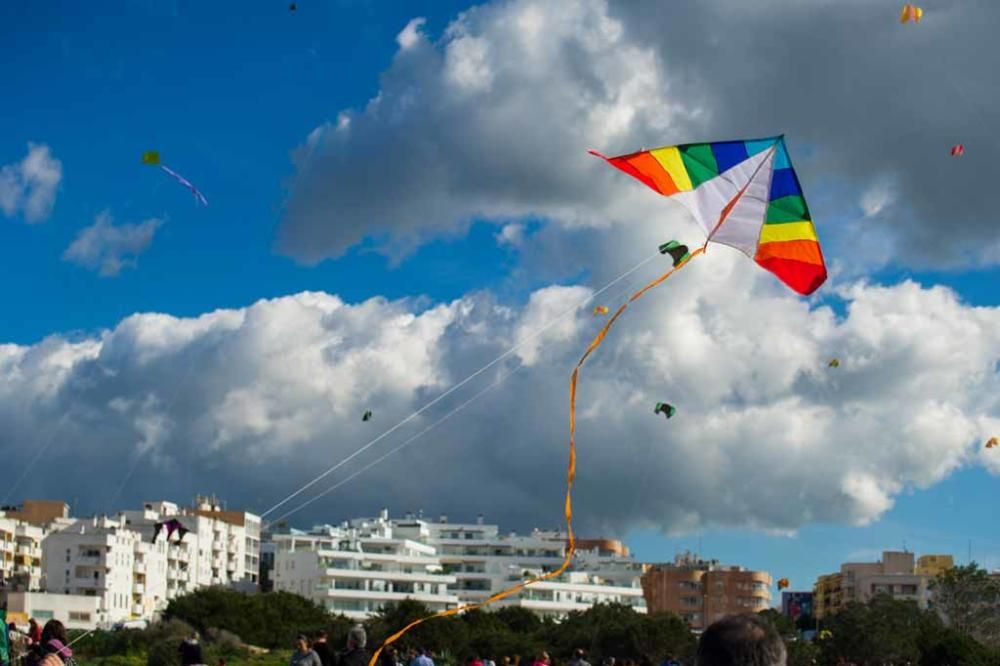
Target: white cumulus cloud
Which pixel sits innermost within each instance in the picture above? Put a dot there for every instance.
(29, 187)
(255, 401)
(493, 120)
(108, 248)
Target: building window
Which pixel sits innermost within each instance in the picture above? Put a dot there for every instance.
(77, 616)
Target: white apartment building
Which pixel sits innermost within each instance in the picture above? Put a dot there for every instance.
(103, 558)
(358, 568)
(220, 548)
(20, 554)
(485, 562)
(115, 559)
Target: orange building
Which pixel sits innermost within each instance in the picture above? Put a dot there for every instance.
(703, 591)
(37, 512)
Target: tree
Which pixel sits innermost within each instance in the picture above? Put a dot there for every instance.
(781, 622)
(802, 653)
(443, 635)
(948, 647)
(884, 630)
(968, 600)
(271, 620)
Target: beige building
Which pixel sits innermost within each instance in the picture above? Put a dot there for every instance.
(20, 554)
(703, 591)
(897, 574)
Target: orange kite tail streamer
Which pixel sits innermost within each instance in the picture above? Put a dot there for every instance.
(570, 476)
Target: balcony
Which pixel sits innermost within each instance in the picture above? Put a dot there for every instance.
(90, 583)
(90, 560)
(138, 588)
(137, 609)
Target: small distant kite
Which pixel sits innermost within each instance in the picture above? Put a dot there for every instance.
(292, 7)
(992, 443)
(367, 416)
(825, 635)
(152, 158)
(834, 363)
(601, 310)
(676, 251)
(172, 525)
(783, 583)
(911, 13)
(957, 150)
(666, 409)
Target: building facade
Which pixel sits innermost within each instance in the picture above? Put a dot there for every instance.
(358, 569)
(703, 591)
(933, 566)
(484, 562)
(132, 576)
(221, 547)
(20, 555)
(104, 559)
(828, 595)
(74, 611)
(447, 564)
(897, 575)
(39, 513)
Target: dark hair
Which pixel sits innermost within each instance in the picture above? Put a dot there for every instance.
(53, 629)
(741, 640)
(320, 634)
(578, 653)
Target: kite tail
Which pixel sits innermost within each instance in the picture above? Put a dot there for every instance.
(570, 477)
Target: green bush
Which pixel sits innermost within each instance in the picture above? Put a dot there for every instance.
(270, 620)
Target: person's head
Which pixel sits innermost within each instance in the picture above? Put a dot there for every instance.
(578, 653)
(422, 651)
(320, 637)
(741, 640)
(356, 637)
(54, 630)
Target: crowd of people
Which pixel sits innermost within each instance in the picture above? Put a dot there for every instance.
(39, 646)
(737, 640)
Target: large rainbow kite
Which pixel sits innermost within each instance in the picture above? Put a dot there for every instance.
(744, 194)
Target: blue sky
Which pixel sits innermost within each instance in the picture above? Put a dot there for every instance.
(226, 92)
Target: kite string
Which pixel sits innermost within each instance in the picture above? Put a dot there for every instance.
(457, 386)
(444, 418)
(628, 287)
(570, 476)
